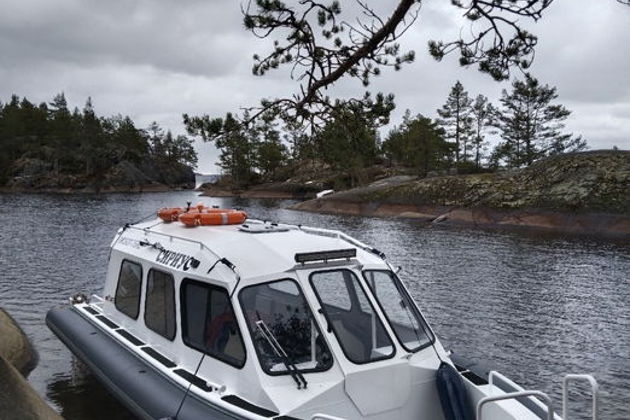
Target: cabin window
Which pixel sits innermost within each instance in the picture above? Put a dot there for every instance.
(359, 330)
(209, 324)
(283, 329)
(127, 299)
(400, 311)
(159, 308)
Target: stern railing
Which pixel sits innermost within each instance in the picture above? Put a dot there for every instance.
(515, 395)
(565, 393)
(514, 391)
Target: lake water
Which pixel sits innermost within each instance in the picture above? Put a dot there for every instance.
(534, 306)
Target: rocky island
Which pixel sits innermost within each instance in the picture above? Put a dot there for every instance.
(587, 192)
(48, 147)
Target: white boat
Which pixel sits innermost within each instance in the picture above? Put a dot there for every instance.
(261, 320)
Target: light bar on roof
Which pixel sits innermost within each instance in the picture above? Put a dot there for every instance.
(337, 254)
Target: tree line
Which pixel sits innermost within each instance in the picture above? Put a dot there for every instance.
(79, 142)
(527, 122)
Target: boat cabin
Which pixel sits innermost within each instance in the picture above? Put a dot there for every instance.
(273, 320)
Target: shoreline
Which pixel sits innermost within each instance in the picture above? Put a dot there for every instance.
(259, 194)
(582, 193)
(594, 223)
(90, 190)
(278, 191)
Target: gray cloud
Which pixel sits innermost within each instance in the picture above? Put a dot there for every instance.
(193, 38)
(155, 60)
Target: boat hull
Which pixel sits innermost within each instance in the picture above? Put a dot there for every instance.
(144, 390)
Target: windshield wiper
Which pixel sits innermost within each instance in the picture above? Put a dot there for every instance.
(277, 348)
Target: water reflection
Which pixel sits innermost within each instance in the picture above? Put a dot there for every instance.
(78, 395)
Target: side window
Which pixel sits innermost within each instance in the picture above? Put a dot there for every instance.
(400, 311)
(159, 308)
(127, 299)
(209, 324)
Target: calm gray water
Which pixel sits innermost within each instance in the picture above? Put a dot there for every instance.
(535, 306)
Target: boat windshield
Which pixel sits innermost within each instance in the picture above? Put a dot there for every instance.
(351, 317)
(402, 314)
(283, 310)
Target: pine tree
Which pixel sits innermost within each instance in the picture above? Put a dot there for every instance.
(155, 137)
(482, 115)
(270, 153)
(62, 128)
(301, 145)
(90, 139)
(126, 142)
(165, 148)
(418, 143)
(531, 126)
(456, 122)
(13, 128)
(232, 138)
(186, 153)
(179, 150)
(349, 141)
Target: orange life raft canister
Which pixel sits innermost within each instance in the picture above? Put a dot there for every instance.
(201, 215)
(170, 214)
(213, 217)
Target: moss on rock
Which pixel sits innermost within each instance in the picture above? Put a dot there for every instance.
(587, 182)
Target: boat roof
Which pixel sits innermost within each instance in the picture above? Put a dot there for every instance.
(255, 248)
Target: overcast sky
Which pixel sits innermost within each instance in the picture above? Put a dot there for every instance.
(154, 60)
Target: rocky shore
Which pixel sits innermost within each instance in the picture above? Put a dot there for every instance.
(36, 176)
(305, 182)
(583, 193)
(277, 190)
(17, 358)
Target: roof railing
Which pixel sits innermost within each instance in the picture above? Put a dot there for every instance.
(202, 246)
(146, 231)
(311, 230)
(329, 233)
(344, 237)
